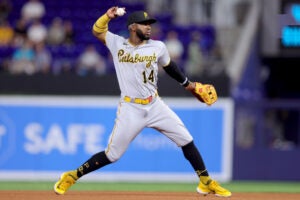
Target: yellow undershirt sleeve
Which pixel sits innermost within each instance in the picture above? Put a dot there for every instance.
(101, 25)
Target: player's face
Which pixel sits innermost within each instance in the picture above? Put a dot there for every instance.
(143, 31)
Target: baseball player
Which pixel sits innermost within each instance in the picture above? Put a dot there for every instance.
(136, 60)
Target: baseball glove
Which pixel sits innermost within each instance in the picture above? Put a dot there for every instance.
(205, 93)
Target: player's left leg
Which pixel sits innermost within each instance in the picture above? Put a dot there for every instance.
(171, 125)
(206, 184)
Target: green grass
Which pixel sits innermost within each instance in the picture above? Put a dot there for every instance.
(236, 186)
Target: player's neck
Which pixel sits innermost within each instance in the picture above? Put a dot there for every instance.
(136, 41)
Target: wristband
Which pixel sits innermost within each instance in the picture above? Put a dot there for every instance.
(185, 83)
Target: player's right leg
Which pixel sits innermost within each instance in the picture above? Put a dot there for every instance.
(66, 180)
(125, 130)
(69, 178)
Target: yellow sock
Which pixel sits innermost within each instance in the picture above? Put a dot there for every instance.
(205, 179)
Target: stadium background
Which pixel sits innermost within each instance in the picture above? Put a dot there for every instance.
(259, 78)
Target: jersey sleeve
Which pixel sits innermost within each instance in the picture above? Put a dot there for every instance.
(164, 58)
(112, 40)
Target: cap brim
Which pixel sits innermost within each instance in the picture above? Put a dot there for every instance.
(150, 21)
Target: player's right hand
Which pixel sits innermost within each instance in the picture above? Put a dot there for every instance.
(111, 13)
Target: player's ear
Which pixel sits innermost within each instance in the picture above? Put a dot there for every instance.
(132, 27)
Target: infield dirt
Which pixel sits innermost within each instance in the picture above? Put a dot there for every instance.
(101, 195)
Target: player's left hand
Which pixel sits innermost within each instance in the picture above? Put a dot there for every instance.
(205, 93)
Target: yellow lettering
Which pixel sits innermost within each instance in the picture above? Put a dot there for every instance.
(137, 58)
(121, 52)
(80, 170)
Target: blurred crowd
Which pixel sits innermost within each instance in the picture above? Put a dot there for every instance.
(31, 44)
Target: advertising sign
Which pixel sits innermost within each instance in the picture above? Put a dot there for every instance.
(41, 137)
